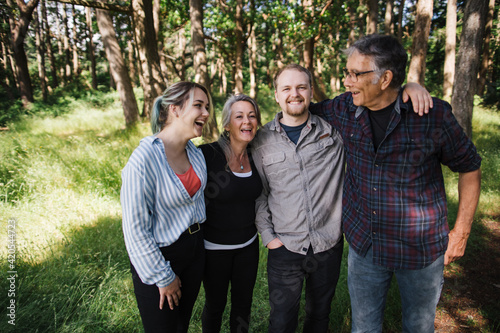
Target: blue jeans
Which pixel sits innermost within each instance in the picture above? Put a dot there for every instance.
(368, 285)
(286, 274)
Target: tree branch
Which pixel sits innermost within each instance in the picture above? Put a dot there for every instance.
(100, 5)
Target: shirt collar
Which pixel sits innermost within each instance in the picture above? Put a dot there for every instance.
(276, 126)
(398, 106)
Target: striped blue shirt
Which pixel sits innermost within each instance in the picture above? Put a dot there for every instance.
(156, 207)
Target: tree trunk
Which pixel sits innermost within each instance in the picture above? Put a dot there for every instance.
(67, 52)
(6, 66)
(18, 36)
(76, 63)
(48, 46)
(372, 18)
(449, 50)
(40, 55)
(486, 61)
(210, 132)
(308, 54)
(59, 37)
(91, 47)
(469, 52)
(240, 49)
(352, 25)
(389, 13)
(416, 72)
(153, 83)
(117, 67)
(198, 43)
(252, 66)
(131, 59)
(400, 20)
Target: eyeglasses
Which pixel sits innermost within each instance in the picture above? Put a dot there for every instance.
(354, 76)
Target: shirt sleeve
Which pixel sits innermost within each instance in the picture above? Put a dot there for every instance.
(329, 109)
(137, 224)
(263, 218)
(457, 150)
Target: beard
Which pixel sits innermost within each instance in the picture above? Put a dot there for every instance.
(296, 111)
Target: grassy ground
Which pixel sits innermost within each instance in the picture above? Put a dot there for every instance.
(59, 193)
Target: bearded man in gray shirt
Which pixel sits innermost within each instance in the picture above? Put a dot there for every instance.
(300, 159)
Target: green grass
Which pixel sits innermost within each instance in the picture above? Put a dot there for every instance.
(60, 181)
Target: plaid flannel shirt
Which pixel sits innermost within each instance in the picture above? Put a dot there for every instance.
(394, 198)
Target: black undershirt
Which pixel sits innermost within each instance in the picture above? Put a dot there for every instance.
(380, 121)
(293, 132)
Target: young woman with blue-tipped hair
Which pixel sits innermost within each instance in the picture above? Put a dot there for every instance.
(163, 209)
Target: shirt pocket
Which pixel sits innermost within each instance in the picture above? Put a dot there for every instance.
(274, 165)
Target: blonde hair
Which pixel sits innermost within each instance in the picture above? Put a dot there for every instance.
(177, 94)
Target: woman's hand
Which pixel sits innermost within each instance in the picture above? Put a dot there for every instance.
(420, 98)
(172, 293)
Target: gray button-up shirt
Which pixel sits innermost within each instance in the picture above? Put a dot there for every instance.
(301, 203)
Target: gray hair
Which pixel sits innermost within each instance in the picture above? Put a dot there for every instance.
(224, 140)
(177, 94)
(386, 54)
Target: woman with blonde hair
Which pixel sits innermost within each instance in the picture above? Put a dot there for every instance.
(231, 241)
(164, 208)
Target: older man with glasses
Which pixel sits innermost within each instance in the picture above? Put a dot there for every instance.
(394, 202)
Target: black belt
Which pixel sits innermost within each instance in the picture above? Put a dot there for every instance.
(193, 228)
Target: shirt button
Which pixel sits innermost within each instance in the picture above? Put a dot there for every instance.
(376, 165)
(375, 189)
(304, 249)
(374, 213)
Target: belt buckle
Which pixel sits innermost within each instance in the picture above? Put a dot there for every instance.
(194, 231)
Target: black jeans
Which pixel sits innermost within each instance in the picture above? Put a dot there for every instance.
(238, 267)
(187, 259)
(286, 273)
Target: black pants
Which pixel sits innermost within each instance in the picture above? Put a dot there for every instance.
(187, 259)
(238, 267)
(286, 273)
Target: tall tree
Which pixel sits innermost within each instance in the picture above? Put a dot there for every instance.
(117, 67)
(210, 132)
(66, 39)
(308, 54)
(486, 61)
(400, 19)
(372, 17)
(416, 73)
(469, 53)
(40, 55)
(449, 51)
(388, 20)
(91, 47)
(76, 62)
(198, 43)
(153, 83)
(18, 32)
(48, 45)
(240, 48)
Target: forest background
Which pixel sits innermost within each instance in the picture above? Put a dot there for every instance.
(78, 78)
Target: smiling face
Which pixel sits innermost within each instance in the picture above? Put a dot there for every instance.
(293, 93)
(194, 115)
(243, 124)
(367, 91)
